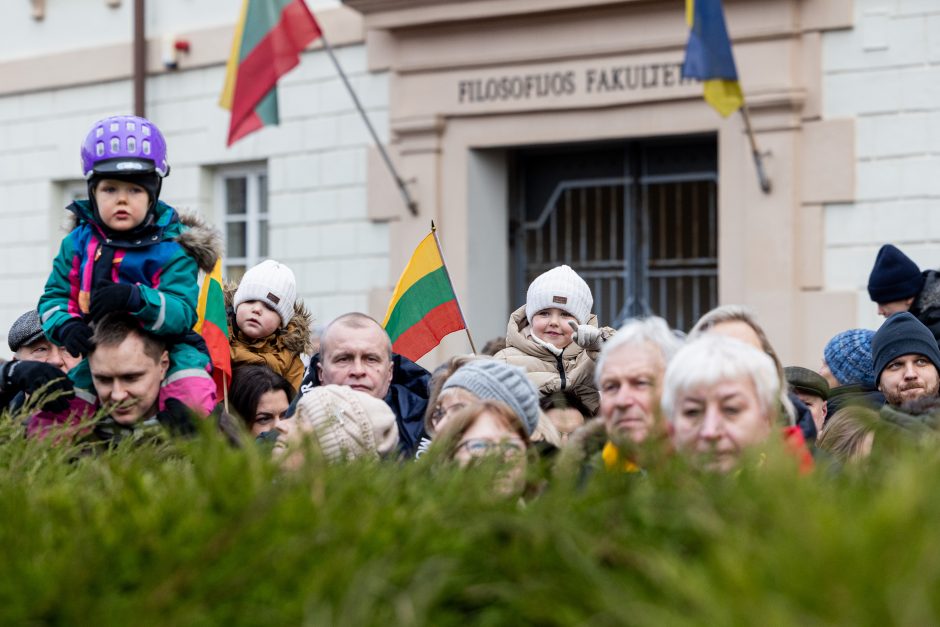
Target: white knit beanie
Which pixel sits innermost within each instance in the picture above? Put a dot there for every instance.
(562, 288)
(272, 283)
(348, 424)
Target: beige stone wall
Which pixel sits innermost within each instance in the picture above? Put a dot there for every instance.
(441, 56)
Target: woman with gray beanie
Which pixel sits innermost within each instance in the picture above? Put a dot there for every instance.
(488, 379)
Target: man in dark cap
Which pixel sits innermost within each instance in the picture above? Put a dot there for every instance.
(28, 343)
(897, 284)
(811, 388)
(907, 360)
(36, 364)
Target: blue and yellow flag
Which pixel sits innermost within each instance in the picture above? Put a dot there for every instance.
(708, 56)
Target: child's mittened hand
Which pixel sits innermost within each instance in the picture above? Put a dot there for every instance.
(75, 336)
(586, 336)
(117, 297)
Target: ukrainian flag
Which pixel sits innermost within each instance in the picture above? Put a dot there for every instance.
(708, 56)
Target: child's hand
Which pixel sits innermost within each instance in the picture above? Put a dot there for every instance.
(75, 335)
(586, 336)
(117, 297)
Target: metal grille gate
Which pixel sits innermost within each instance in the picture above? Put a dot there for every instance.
(638, 221)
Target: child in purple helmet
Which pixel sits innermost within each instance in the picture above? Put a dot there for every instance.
(129, 252)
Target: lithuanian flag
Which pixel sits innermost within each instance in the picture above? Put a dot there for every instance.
(269, 37)
(212, 325)
(708, 56)
(424, 307)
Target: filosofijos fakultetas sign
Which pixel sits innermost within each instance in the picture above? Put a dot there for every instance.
(566, 84)
(591, 80)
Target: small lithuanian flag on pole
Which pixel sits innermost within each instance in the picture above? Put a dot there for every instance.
(212, 325)
(424, 307)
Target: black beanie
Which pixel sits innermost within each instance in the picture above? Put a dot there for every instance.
(894, 277)
(902, 334)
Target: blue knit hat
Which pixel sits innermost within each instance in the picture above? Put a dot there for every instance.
(903, 334)
(894, 276)
(848, 356)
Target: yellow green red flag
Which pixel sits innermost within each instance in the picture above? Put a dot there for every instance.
(269, 37)
(212, 325)
(424, 308)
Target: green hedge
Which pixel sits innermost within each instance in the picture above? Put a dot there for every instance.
(196, 533)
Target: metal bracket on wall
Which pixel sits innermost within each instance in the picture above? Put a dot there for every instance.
(39, 9)
(113, 3)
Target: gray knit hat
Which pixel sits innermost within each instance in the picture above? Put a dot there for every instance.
(488, 379)
(25, 331)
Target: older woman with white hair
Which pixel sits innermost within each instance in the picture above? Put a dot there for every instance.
(722, 397)
(740, 323)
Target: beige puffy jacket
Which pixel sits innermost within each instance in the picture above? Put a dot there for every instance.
(545, 370)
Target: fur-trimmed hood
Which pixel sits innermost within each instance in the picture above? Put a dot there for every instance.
(202, 241)
(199, 239)
(295, 337)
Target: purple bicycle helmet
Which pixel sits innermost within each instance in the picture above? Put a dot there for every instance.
(124, 144)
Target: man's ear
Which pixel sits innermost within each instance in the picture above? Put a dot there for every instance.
(320, 369)
(164, 364)
(825, 408)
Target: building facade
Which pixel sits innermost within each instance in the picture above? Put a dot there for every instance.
(533, 133)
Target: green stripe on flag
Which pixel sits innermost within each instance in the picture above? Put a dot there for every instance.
(260, 18)
(430, 291)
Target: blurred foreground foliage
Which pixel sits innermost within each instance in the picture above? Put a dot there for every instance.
(198, 533)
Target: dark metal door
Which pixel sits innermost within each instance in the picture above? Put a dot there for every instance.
(638, 221)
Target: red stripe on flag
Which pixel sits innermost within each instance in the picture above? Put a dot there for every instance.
(428, 332)
(275, 55)
(241, 128)
(219, 354)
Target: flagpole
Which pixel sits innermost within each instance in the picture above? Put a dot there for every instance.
(755, 153)
(456, 300)
(409, 201)
(225, 392)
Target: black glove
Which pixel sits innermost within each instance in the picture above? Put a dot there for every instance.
(177, 418)
(75, 335)
(30, 376)
(116, 297)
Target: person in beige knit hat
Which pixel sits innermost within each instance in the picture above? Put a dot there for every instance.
(345, 424)
(554, 337)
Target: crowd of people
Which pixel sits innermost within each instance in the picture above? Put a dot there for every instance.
(109, 354)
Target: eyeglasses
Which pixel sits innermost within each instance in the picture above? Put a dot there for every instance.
(479, 448)
(443, 412)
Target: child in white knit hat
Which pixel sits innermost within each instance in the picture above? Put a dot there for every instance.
(555, 337)
(268, 324)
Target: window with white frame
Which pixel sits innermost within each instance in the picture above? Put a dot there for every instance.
(242, 195)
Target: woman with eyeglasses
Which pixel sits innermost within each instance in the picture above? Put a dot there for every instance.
(488, 430)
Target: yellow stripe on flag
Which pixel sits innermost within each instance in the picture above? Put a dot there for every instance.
(724, 96)
(202, 303)
(425, 260)
(231, 68)
(689, 12)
